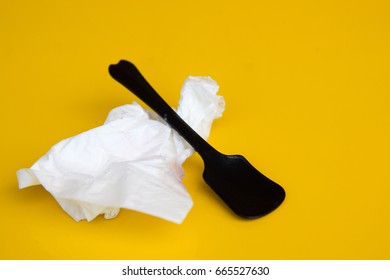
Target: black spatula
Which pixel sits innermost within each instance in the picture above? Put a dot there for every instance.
(244, 189)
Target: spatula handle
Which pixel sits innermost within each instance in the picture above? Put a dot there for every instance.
(128, 75)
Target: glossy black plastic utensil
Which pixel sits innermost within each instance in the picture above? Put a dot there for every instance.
(244, 189)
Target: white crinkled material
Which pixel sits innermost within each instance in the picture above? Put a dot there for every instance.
(132, 161)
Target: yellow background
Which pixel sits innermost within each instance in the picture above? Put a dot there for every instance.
(307, 95)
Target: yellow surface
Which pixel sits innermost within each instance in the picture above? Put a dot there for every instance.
(307, 92)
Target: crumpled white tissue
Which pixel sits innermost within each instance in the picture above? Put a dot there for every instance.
(132, 161)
